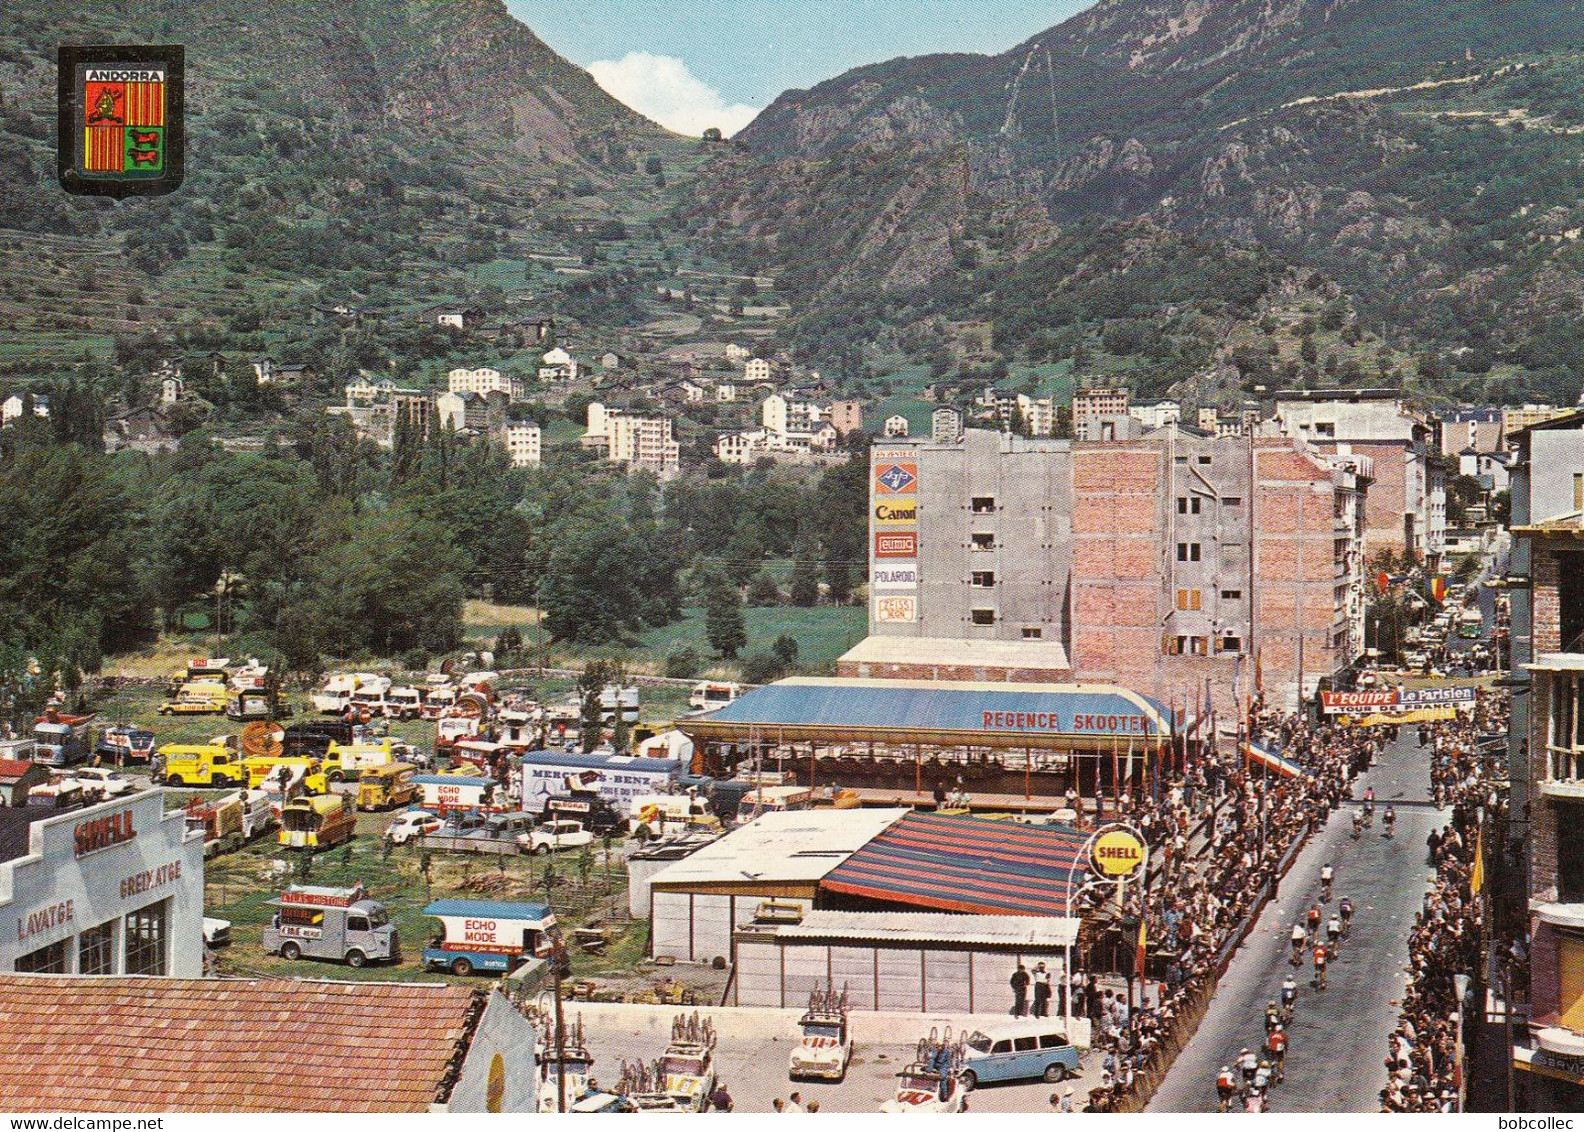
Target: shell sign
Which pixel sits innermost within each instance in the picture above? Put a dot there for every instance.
(1118, 854)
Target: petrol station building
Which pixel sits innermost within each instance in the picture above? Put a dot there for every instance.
(113, 889)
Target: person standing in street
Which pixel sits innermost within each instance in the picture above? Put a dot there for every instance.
(1042, 991)
(1020, 986)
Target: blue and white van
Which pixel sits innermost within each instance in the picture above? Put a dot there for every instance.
(1019, 1051)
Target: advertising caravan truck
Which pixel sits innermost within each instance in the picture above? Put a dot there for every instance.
(487, 935)
(317, 822)
(331, 923)
(445, 793)
(616, 778)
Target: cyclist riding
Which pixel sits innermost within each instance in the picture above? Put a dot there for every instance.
(1334, 934)
(1262, 1078)
(1276, 1043)
(1272, 1017)
(1248, 1063)
(1369, 807)
(1389, 819)
(1312, 919)
(1358, 822)
(1300, 940)
(1320, 957)
(1226, 1087)
(1289, 997)
(1326, 876)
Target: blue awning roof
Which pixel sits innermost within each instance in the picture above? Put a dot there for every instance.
(488, 909)
(1009, 714)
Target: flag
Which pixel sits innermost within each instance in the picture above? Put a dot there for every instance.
(1383, 581)
(1259, 673)
(1438, 589)
(1141, 958)
(1477, 879)
(1269, 760)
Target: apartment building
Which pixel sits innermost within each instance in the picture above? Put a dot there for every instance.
(1546, 752)
(1092, 406)
(1153, 560)
(484, 381)
(1407, 500)
(643, 443)
(523, 444)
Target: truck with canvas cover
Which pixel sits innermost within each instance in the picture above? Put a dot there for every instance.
(331, 923)
(487, 935)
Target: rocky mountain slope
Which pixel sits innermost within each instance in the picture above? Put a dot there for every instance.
(1416, 163)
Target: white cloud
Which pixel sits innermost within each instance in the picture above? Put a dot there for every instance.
(662, 88)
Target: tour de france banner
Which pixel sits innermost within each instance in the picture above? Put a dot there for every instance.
(1397, 706)
(893, 521)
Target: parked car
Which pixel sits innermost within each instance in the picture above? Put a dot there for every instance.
(411, 824)
(554, 835)
(109, 783)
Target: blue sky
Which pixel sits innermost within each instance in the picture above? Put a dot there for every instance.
(717, 62)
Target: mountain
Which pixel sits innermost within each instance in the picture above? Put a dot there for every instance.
(387, 153)
(1199, 195)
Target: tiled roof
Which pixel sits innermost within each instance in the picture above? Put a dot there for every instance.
(228, 1045)
(15, 768)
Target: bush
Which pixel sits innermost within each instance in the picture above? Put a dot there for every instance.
(682, 664)
(762, 668)
(762, 590)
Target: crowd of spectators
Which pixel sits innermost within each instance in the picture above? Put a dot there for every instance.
(1422, 1056)
(1199, 900)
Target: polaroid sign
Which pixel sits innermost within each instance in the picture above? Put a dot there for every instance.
(896, 576)
(896, 610)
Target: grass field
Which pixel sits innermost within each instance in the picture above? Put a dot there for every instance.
(822, 633)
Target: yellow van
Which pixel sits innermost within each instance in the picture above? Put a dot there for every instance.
(385, 787)
(317, 822)
(202, 764)
(259, 767)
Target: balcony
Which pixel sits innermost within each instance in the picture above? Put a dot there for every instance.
(1560, 1041)
(1559, 915)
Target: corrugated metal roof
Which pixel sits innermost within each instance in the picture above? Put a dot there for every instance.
(795, 846)
(963, 864)
(934, 927)
(1089, 710)
(958, 653)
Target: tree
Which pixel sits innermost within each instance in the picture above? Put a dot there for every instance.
(805, 571)
(591, 687)
(763, 590)
(723, 618)
(786, 649)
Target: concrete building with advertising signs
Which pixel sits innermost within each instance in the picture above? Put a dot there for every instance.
(1159, 561)
(113, 889)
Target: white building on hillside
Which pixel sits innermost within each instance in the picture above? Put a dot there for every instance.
(523, 444)
(756, 369)
(482, 381)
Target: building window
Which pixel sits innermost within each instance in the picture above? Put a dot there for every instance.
(982, 578)
(1188, 504)
(1231, 595)
(1032, 634)
(1198, 646)
(1188, 552)
(49, 960)
(1204, 459)
(983, 505)
(145, 941)
(982, 541)
(1189, 599)
(1230, 644)
(96, 950)
(1325, 428)
(1570, 599)
(1570, 853)
(1232, 501)
(982, 616)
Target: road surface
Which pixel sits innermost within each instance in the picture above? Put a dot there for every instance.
(1338, 1036)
